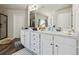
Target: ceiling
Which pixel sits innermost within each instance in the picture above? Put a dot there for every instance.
(53, 6)
(14, 6)
(24, 6)
(49, 8)
(42, 7)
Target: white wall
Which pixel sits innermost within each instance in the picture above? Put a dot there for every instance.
(76, 17)
(10, 24)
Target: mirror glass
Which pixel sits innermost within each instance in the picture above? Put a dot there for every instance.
(58, 15)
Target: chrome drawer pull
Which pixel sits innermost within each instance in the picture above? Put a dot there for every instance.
(33, 43)
(33, 49)
(51, 44)
(34, 38)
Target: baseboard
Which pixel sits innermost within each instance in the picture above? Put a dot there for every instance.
(30, 51)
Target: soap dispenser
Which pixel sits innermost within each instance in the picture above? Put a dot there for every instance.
(49, 28)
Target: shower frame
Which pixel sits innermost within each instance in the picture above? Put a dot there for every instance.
(6, 29)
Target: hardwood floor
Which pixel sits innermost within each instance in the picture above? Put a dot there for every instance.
(8, 49)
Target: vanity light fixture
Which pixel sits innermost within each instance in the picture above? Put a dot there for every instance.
(33, 7)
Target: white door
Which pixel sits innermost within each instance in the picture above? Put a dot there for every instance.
(19, 20)
(27, 39)
(64, 46)
(46, 44)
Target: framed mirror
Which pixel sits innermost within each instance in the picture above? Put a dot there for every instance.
(59, 15)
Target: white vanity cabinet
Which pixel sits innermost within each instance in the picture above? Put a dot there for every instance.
(47, 44)
(25, 38)
(64, 45)
(35, 42)
(22, 37)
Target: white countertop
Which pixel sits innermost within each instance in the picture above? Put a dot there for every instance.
(57, 33)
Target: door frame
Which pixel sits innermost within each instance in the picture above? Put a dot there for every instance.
(6, 25)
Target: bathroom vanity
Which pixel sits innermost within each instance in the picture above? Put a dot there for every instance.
(50, 43)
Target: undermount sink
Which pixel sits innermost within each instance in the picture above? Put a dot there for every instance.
(65, 33)
(70, 33)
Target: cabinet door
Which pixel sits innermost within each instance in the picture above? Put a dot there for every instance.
(64, 46)
(35, 42)
(22, 37)
(46, 44)
(27, 39)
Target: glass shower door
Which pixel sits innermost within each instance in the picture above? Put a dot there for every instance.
(3, 26)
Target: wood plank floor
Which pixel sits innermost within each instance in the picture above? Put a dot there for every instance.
(8, 49)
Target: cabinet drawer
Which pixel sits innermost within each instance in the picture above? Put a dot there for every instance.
(35, 35)
(35, 44)
(35, 49)
(35, 40)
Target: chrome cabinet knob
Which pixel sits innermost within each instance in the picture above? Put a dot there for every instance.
(34, 38)
(51, 44)
(56, 45)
